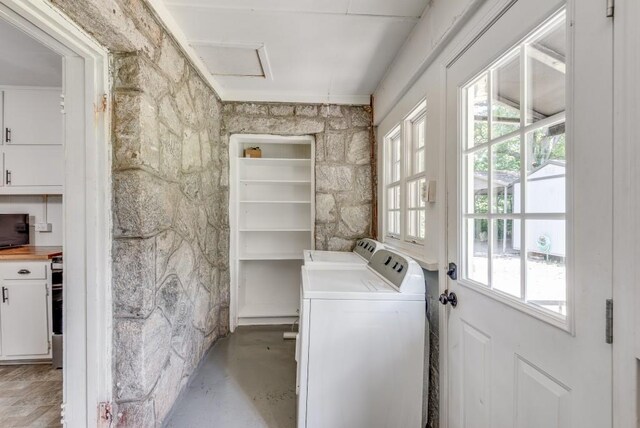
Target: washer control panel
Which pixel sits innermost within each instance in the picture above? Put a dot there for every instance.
(401, 271)
(367, 247)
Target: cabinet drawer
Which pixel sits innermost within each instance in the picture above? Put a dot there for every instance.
(24, 270)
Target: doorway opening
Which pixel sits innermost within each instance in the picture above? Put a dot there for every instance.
(54, 196)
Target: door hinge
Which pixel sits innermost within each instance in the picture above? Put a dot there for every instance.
(105, 415)
(609, 325)
(611, 5)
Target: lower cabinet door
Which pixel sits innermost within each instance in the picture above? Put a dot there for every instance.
(24, 318)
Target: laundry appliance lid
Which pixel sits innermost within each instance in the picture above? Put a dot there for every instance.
(364, 249)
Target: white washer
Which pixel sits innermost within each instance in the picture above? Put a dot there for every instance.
(360, 256)
(361, 345)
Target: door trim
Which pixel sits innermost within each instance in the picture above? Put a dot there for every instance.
(88, 186)
(626, 249)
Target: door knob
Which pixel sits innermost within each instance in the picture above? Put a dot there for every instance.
(452, 272)
(447, 297)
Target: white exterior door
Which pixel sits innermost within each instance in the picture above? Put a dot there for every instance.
(24, 315)
(529, 179)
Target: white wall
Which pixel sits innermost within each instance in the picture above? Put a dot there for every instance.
(418, 72)
(440, 21)
(39, 212)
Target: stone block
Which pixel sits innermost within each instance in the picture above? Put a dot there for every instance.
(334, 178)
(306, 110)
(356, 221)
(143, 203)
(338, 124)
(133, 277)
(191, 153)
(361, 116)
(340, 244)
(281, 110)
(142, 349)
(335, 146)
(331, 110)
(320, 147)
(252, 109)
(325, 208)
(137, 414)
(138, 73)
(171, 61)
(170, 153)
(168, 114)
(359, 148)
(135, 131)
(273, 125)
(168, 387)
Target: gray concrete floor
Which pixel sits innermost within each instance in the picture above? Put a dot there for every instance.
(246, 380)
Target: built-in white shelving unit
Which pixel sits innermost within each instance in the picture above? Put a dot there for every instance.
(272, 206)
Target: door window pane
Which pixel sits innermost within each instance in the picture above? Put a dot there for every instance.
(477, 182)
(546, 269)
(546, 170)
(505, 257)
(477, 247)
(505, 96)
(546, 66)
(506, 160)
(477, 105)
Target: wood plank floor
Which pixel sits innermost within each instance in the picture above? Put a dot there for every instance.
(30, 396)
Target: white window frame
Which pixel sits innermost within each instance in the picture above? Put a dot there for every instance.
(411, 244)
(389, 164)
(562, 321)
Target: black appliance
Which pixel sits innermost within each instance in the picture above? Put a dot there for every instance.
(14, 230)
(57, 308)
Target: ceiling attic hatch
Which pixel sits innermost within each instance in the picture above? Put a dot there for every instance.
(233, 59)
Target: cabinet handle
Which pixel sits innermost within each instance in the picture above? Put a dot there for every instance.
(8, 176)
(7, 135)
(5, 297)
(24, 272)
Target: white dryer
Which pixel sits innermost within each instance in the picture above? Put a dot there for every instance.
(361, 345)
(359, 257)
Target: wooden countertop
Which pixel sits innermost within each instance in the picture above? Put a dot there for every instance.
(30, 253)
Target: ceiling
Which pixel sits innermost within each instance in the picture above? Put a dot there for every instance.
(25, 61)
(295, 50)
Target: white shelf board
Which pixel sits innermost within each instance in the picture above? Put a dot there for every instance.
(275, 230)
(272, 256)
(274, 161)
(276, 181)
(275, 202)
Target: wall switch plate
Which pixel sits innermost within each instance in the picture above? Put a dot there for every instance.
(43, 227)
(431, 191)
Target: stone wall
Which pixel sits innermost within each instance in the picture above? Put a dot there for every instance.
(170, 209)
(432, 376)
(344, 189)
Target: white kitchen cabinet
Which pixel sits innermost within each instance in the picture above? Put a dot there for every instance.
(33, 166)
(24, 318)
(25, 310)
(32, 151)
(32, 117)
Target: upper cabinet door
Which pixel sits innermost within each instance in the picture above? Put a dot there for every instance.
(32, 117)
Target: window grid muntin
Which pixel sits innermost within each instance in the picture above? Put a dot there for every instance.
(525, 129)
